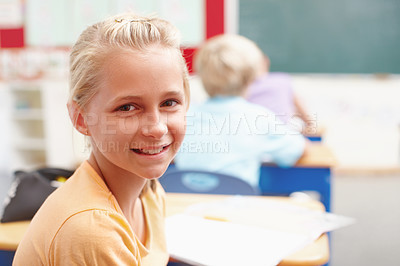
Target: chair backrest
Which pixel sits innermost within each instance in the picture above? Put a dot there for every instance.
(199, 181)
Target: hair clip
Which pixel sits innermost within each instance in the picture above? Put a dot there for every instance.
(119, 20)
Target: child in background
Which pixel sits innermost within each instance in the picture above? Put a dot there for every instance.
(129, 95)
(274, 90)
(228, 134)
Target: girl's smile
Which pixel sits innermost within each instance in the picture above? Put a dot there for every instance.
(151, 150)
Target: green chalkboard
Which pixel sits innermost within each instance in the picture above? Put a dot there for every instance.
(325, 36)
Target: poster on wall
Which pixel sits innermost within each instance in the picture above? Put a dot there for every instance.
(187, 16)
(85, 13)
(59, 23)
(11, 14)
(47, 23)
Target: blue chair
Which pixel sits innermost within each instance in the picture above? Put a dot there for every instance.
(6, 257)
(199, 181)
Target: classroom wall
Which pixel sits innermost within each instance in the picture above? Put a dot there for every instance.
(361, 114)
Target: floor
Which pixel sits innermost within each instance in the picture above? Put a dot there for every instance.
(375, 238)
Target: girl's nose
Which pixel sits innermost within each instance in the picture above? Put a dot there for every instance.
(154, 127)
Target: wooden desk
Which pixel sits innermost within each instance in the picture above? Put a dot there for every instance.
(311, 173)
(318, 155)
(10, 236)
(316, 253)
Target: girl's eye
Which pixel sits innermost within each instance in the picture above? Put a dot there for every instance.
(126, 108)
(170, 103)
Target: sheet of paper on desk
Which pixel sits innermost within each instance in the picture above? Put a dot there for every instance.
(200, 241)
(258, 231)
(272, 214)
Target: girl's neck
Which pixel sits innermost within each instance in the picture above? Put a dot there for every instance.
(125, 187)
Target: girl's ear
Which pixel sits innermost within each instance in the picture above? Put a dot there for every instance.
(77, 117)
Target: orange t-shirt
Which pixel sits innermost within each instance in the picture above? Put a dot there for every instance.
(81, 223)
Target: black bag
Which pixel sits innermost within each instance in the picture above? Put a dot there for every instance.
(29, 190)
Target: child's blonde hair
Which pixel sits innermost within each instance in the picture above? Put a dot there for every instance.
(227, 64)
(124, 31)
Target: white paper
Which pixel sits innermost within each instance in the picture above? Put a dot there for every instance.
(272, 214)
(255, 232)
(200, 241)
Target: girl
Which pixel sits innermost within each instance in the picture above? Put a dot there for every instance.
(129, 95)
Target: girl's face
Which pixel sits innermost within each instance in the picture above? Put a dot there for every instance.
(136, 120)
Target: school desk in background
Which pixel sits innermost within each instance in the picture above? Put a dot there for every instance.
(312, 173)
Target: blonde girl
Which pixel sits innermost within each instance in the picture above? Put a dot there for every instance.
(129, 95)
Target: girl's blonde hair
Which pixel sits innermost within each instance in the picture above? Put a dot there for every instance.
(126, 32)
(227, 64)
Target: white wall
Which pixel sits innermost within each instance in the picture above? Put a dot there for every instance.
(361, 114)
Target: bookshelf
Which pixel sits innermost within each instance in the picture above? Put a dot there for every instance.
(28, 142)
(41, 134)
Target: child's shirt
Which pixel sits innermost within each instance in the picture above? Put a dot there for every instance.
(81, 223)
(274, 91)
(232, 136)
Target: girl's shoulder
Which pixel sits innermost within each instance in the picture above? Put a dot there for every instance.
(93, 236)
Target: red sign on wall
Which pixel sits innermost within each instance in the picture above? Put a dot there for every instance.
(12, 38)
